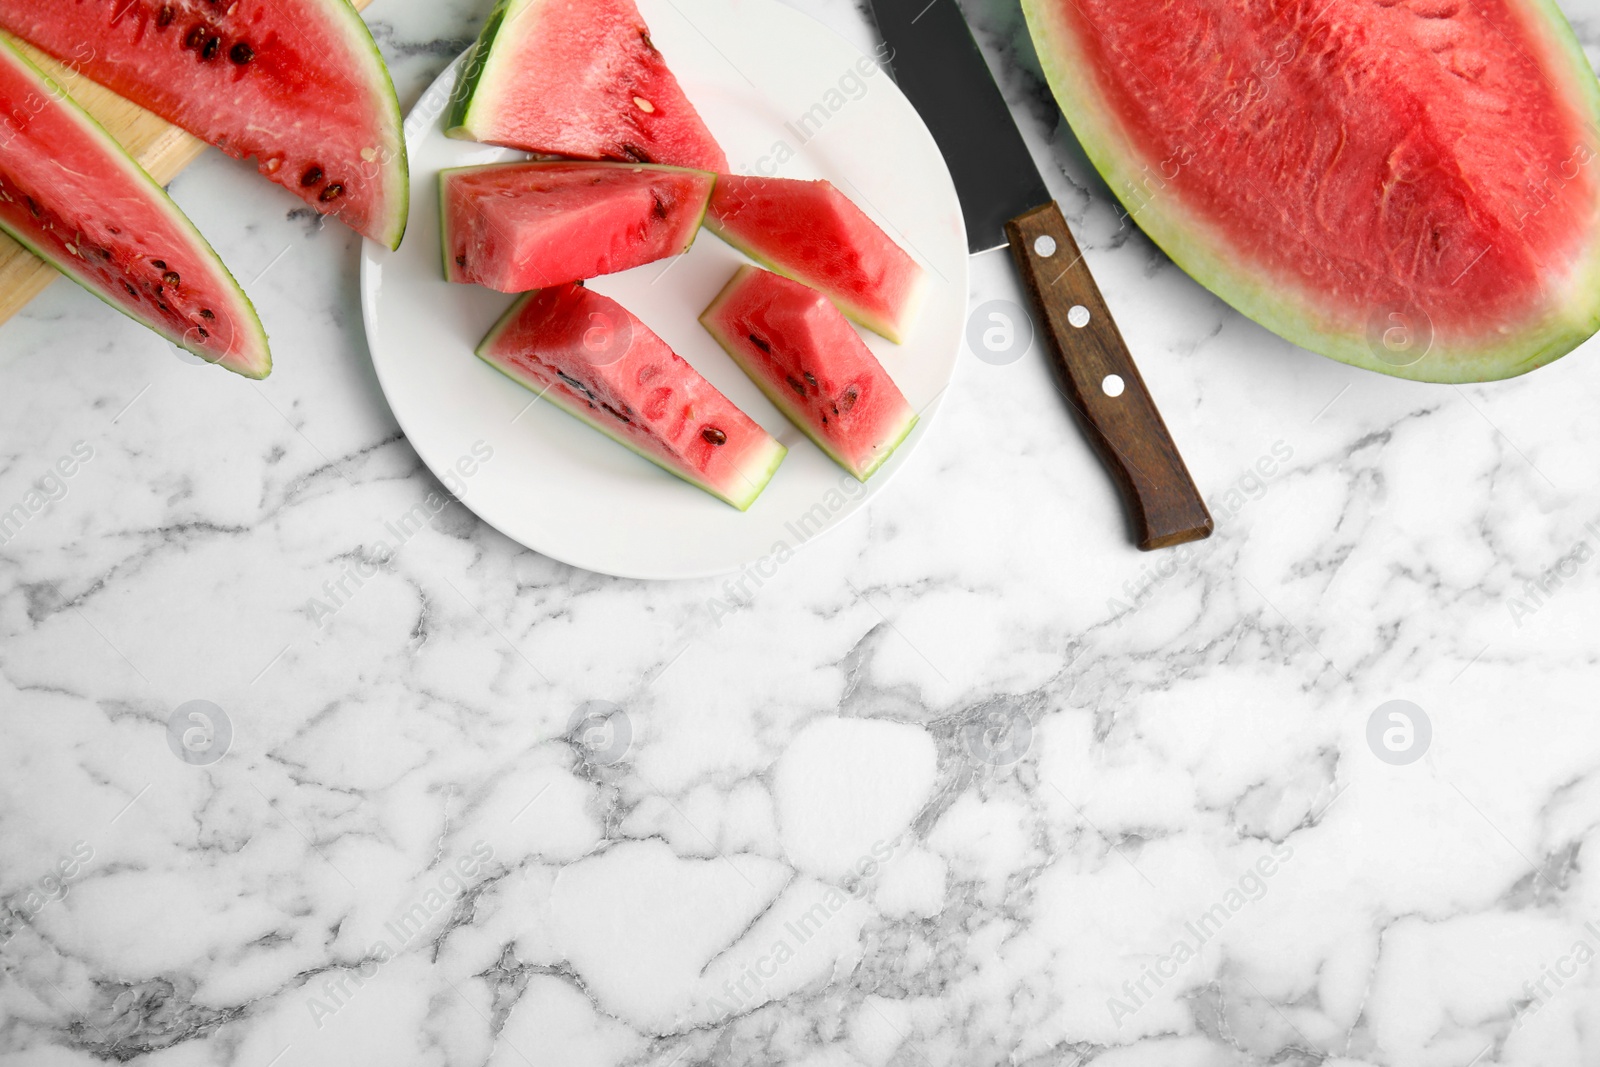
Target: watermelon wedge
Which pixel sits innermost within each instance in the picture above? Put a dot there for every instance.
(297, 84)
(814, 234)
(78, 201)
(521, 226)
(578, 78)
(813, 366)
(592, 358)
(1406, 186)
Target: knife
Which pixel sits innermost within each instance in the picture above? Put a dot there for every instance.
(936, 63)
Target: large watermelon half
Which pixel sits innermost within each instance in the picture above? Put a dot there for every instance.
(77, 200)
(297, 84)
(578, 78)
(1405, 185)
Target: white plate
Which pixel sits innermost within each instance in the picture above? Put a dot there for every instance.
(753, 68)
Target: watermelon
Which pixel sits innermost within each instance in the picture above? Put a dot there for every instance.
(813, 366)
(521, 226)
(297, 84)
(1406, 185)
(589, 355)
(814, 234)
(78, 201)
(578, 78)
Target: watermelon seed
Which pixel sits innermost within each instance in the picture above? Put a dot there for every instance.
(759, 343)
(794, 383)
(644, 105)
(33, 207)
(207, 313)
(165, 16)
(195, 37)
(661, 206)
(131, 290)
(635, 153)
(849, 398)
(162, 306)
(617, 413)
(714, 436)
(241, 53)
(202, 332)
(332, 193)
(159, 264)
(461, 261)
(644, 35)
(209, 52)
(811, 379)
(311, 177)
(171, 278)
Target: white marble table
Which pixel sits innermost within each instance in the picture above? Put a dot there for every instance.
(970, 781)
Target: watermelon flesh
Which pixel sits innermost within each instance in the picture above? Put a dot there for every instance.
(813, 366)
(298, 85)
(578, 78)
(1405, 186)
(72, 196)
(595, 360)
(814, 234)
(521, 226)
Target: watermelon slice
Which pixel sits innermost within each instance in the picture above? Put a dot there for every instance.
(590, 356)
(814, 234)
(1407, 185)
(578, 78)
(297, 84)
(521, 226)
(78, 201)
(811, 363)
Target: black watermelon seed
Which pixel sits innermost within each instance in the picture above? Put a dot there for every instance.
(311, 177)
(171, 278)
(332, 193)
(644, 35)
(162, 306)
(33, 207)
(714, 436)
(794, 383)
(131, 290)
(209, 52)
(202, 331)
(759, 343)
(811, 379)
(207, 313)
(661, 206)
(105, 253)
(617, 413)
(849, 398)
(195, 37)
(634, 152)
(242, 53)
(461, 261)
(165, 16)
(159, 264)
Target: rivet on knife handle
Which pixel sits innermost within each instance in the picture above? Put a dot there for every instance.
(1101, 380)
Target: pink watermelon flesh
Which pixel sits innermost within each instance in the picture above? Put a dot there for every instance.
(578, 78)
(811, 363)
(77, 200)
(594, 359)
(297, 84)
(812, 233)
(521, 226)
(1320, 163)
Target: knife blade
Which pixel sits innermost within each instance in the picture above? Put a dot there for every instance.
(1004, 199)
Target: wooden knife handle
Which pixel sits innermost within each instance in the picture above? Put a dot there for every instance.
(1090, 359)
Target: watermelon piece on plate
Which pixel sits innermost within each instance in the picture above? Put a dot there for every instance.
(1406, 186)
(814, 234)
(297, 84)
(74, 198)
(521, 226)
(578, 78)
(595, 360)
(813, 366)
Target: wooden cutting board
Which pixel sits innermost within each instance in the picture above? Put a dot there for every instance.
(161, 148)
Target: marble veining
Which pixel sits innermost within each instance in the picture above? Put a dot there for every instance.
(968, 781)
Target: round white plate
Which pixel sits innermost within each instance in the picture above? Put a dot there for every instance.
(786, 97)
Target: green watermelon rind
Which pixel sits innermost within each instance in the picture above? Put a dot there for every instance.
(398, 177)
(1185, 238)
(465, 99)
(243, 311)
(756, 480)
(783, 403)
(444, 214)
